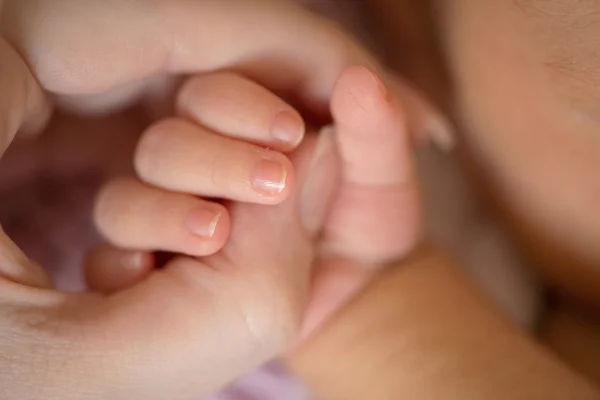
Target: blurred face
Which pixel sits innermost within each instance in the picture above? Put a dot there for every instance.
(527, 81)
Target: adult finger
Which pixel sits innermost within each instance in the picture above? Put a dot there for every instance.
(177, 36)
(166, 39)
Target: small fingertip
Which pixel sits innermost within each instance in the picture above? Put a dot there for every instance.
(359, 91)
(271, 177)
(137, 261)
(203, 222)
(359, 78)
(109, 269)
(208, 231)
(288, 128)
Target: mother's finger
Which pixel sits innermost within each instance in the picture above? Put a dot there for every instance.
(178, 36)
(285, 48)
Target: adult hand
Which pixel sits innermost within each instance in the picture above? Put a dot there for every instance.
(372, 219)
(167, 337)
(181, 332)
(168, 37)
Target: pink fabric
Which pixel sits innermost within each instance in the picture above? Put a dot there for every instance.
(271, 382)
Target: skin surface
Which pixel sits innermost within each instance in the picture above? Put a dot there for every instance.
(527, 201)
(524, 73)
(372, 359)
(153, 339)
(334, 364)
(427, 333)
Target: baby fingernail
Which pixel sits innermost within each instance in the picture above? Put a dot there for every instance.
(287, 128)
(269, 177)
(203, 222)
(135, 261)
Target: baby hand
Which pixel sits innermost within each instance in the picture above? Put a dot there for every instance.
(254, 290)
(357, 188)
(226, 142)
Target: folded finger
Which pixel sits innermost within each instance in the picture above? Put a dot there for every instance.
(237, 107)
(110, 269)
(178, 155)
(133, 215)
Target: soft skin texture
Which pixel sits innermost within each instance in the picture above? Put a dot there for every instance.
(380, 357)
(87, 339)
(371, 219)
(525, 73)
(426, 332)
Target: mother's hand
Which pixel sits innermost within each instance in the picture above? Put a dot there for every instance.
(167, 337)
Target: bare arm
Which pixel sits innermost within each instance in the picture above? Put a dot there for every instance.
(422, 331)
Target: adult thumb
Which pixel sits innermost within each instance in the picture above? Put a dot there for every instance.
(184, 331)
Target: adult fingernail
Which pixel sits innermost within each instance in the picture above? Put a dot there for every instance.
(203, 222)
(440, 133)
(269, 177)
(287, 128)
